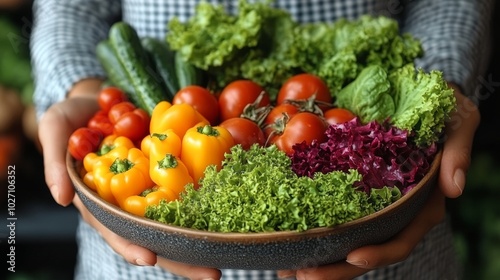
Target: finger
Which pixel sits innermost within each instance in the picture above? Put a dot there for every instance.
(337, 271)
(399, 248)
(459, 135)
(53, 137)
(130, 252)
(286, 274)
(189, 271)
(137, 255)
(55, 127)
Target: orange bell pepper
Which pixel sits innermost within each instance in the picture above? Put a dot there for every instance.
(127, 175)
(205, 145)
(163, 143)
(178, 117)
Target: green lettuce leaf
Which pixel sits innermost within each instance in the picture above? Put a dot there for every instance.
(368, 96)
(424, 102)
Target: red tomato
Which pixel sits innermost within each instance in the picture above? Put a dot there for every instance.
(338, 115)
(244, 132)
(101, 122)
(110, 96)
(237, 95)
(304, 86)
(84, 140)
(201, 99)
(277, 114)
(129, 121)
(304, 126)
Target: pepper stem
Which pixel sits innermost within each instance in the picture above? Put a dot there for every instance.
(169, 161)
(121, 165)
(208, 130)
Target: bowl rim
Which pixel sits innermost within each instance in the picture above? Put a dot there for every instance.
(254, 237)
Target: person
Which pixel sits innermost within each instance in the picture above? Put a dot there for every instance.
(68, 77)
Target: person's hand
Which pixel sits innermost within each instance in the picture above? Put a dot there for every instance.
(459, 135)
(55, 127)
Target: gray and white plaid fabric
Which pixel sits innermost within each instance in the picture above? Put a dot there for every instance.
(454, 33)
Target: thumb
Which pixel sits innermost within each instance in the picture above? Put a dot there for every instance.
(457, 148)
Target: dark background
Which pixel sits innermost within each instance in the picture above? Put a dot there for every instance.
(45, 231)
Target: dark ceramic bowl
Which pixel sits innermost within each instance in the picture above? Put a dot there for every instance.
(259, 251)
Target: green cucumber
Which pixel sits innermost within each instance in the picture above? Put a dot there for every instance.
(134, 59)
(164, 60)
(187, 74)
(113, 68)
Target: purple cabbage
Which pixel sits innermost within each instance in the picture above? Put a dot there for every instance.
(381, 153)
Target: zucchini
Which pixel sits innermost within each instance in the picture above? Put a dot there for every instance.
(187, 74)
(116, 74)
(134, 59)
(164, 60)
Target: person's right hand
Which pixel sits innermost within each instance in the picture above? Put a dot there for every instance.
(55, 127)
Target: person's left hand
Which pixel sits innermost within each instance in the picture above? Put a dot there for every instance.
(459, 135)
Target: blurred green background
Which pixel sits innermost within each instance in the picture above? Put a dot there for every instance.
(45, 232)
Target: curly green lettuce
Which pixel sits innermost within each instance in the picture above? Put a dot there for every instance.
(257, 191)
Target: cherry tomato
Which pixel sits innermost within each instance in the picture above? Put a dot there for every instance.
(237, 95)
(304, 86)
(101, 122)
(84, 140)
(338, 115)
(244, 132)
(129, 121)
(201, 99)
(110, 96)
(303, 126)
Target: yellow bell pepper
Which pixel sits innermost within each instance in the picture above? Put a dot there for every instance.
(178, 117)
(137, 204)
(166, 142)
(127, 175)
(205, 145)
(107, 148)
(171, 173)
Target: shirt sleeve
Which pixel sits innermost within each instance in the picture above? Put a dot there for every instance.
(455, 35)
(63, 41)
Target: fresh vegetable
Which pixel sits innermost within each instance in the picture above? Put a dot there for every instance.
(149, 89)
(338, 115)
(163, 58)
(137, 204)
(409, 98)
(170, 173)
(178, 117)
(84, 140)
(245, 132)
(278, 115)
(116, 73)
(302, 127)
(264, 44)
(381, 153)
(237, 95)
(111, 146)
(156, 145)
(101, 122)
(369, 96)
(302, 87)
(188, 74)
(204, 145)
(201, 99)
(129, 121)
(119, 178)
(256, 191)
(424, 102)
(110, 96)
